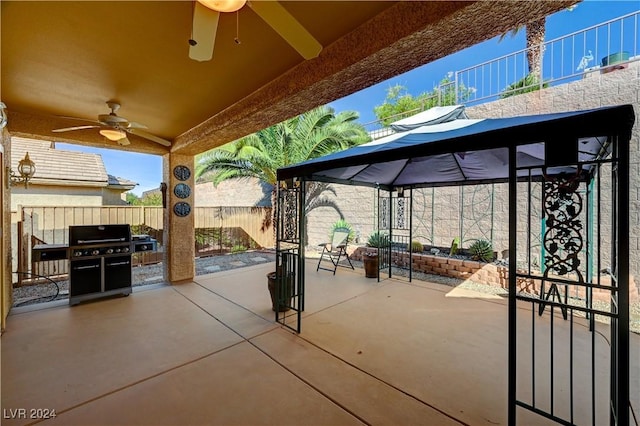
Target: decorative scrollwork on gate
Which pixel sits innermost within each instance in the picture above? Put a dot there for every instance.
(562, 206)
(563, 239)
(290, 218)
(383, 219)
(400, 213)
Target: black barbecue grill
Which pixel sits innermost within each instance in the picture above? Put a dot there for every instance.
(99, 259)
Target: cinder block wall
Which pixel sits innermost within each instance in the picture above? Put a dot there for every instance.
(593, 91)
(437, 212)
(440, 221)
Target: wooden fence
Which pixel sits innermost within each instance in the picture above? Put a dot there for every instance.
(217, 230)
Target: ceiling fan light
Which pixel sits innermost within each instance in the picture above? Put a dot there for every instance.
(223, 5)
(113, 134)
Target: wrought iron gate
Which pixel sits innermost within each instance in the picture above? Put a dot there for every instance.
(395, 220)
(565, 363)
(289, 283)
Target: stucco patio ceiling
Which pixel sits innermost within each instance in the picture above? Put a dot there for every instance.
(65, 58)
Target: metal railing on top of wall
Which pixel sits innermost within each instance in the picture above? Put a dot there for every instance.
(601, 48)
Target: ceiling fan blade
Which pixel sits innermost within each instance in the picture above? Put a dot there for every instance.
(288, 27)
(134, 125)
(124, 141)
(203, 33)
(149, 136)
(67, 129)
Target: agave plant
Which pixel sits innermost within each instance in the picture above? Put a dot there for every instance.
(481, 250)
(378, 239)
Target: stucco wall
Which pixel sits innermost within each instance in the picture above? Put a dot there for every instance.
(50, 195)
(113, 197)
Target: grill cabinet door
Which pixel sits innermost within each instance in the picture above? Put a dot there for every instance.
(117, 272)
(86, 277)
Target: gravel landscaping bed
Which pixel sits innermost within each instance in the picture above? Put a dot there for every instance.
(144, 275)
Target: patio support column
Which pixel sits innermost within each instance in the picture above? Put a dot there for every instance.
(620, 330)
(179, 223)
(513, 226)
(5, 230)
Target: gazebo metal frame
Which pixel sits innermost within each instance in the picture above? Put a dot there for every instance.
(565, 156)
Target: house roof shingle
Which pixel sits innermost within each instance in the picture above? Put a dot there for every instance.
(121, 182)
(59, 165)
(64, 167)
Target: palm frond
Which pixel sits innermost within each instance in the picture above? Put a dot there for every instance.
(314, 189)
(322, 202)
(315, 133)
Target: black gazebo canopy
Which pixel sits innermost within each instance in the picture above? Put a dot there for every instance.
(465, 151)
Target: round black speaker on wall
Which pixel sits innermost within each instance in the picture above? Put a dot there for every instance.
(182, 209)
(181, 172)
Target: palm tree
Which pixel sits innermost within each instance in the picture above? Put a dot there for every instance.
(534, 35)
(259, 155)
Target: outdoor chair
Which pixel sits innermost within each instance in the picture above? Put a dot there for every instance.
(335, 251)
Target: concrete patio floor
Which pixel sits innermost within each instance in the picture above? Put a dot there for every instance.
(209, 353)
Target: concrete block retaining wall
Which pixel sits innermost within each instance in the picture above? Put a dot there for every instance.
(441, 220)
(486, 273)
(437, 216)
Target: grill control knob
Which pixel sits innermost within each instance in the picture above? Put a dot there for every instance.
(95, 252)
(118, 250)
(125, 249)
(143, 247)
(77, 253)
(109, 251)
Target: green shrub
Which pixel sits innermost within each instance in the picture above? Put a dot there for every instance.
(238, 248)
(526, 84)
(416, 247)
(481, 250)
(378, 239)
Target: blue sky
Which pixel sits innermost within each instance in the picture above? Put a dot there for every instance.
(147, 169)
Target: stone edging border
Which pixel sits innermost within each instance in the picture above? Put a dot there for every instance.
(483, 273)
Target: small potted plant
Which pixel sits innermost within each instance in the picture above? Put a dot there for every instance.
(370, 259)
(609, 63)
(285, 289)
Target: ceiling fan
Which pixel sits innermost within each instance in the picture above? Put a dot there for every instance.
(206, 14)
(115, 128)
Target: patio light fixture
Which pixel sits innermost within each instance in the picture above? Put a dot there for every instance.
(113, 134)
(223, 5)
(26, 170)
